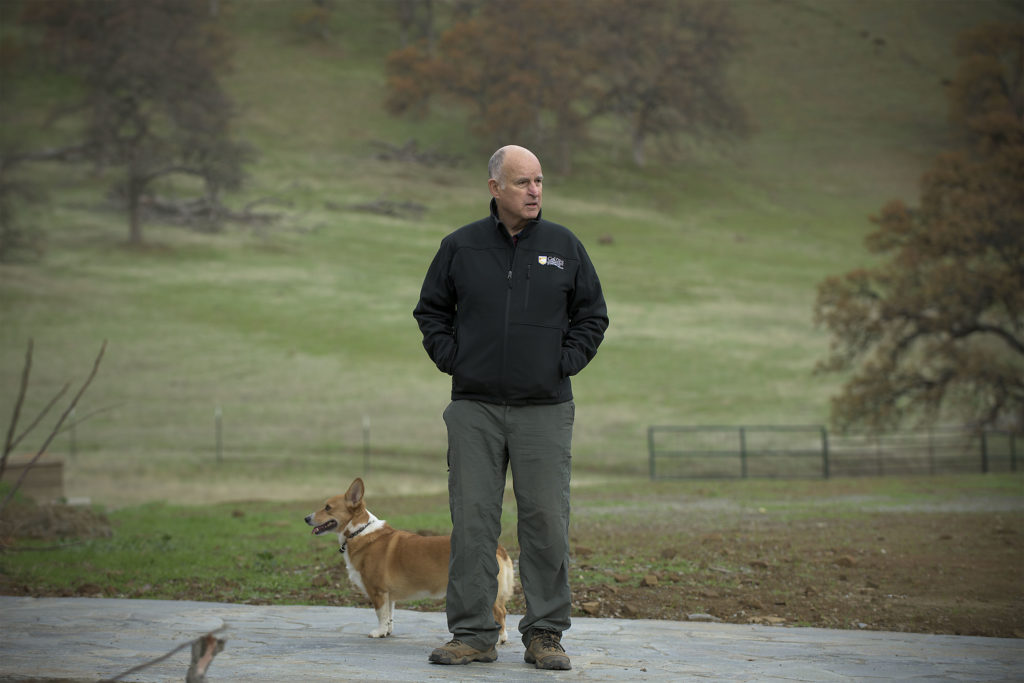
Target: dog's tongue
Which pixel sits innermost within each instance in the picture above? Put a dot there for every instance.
(326, 526)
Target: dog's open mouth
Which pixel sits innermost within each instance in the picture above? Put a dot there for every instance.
(325, 527)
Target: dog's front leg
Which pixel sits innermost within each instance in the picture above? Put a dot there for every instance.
(385, 616)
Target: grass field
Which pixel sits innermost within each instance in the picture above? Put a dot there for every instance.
(924, 554)
(299, 332)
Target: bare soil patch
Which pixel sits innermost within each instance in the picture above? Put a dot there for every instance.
(952, 573)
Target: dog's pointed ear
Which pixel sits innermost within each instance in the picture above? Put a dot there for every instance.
(354, 495)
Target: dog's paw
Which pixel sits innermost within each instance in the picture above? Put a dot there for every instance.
(378, 633)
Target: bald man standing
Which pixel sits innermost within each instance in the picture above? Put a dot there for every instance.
(511, 307)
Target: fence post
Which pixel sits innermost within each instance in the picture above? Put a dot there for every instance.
(218, 431)
(824, 452)
(931, 451)
(743, 452)
(650, 452)
(366, 445)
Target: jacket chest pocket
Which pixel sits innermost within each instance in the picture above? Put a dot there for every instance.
(546, 283)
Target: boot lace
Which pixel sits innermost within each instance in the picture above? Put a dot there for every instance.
(549, 640)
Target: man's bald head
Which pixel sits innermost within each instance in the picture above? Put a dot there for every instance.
(516, 183)
(508, 153)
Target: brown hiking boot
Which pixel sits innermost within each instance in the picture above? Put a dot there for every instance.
(457, 652)
(545, 650)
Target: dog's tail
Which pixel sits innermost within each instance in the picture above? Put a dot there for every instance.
(506, 576)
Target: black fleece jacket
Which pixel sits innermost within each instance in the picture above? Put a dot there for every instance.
(511, 321)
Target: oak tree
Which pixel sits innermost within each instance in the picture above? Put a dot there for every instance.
(415, 18)
(151, 103)
(936, 331)
(520, 68)
(663, 67)
(540, 72)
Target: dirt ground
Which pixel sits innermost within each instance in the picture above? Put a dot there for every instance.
(925, 571)
(921, 572)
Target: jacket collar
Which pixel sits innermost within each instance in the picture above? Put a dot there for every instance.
(527, 229)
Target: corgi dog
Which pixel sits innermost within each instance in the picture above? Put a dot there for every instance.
(389, 565)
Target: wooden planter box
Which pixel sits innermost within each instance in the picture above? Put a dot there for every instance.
(45, 481)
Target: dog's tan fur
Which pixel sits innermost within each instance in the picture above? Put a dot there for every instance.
(390, 565)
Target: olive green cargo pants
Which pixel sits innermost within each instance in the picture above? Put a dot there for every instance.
(483, 440)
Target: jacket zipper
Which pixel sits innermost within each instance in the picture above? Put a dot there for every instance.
(526, 299)
(508, 311)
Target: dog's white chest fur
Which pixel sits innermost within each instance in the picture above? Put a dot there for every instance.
(353, 574)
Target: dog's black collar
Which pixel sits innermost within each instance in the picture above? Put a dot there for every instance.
(348, 536)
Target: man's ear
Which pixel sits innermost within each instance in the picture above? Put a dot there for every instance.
(492, 185)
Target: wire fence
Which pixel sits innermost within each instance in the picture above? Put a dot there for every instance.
(806, 451)
(256, 436)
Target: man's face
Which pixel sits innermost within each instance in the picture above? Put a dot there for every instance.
(518, 191)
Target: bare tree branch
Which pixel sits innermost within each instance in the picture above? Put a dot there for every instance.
(88, 416)
(204, 656)
(42, 414)
(203, 651)
(1006, 336)
(69, 153)
(23, 389)
(56, 428)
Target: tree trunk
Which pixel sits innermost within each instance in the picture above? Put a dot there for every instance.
(203, 651)
(429, 27)
(565, 152)
(134, 213)
(639, 136)
(639, 155)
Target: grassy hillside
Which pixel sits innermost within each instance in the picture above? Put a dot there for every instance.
(301, 330)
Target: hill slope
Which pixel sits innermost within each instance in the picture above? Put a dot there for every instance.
(300, 332)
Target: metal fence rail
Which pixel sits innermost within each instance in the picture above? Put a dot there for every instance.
(802, 451)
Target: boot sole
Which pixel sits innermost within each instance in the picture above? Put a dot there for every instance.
(446, 658)
(550, 666)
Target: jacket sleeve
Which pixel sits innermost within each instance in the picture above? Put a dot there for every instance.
(588, 318)
(435, 311)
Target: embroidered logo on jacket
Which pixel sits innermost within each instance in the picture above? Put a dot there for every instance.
(551, 261)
